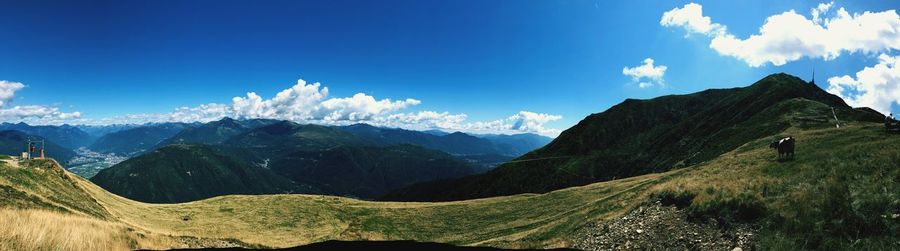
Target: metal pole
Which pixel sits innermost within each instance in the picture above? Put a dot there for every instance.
(838, 122)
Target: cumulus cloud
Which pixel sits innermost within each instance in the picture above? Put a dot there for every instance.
(33, 114)
(37, 114)
(691, 18)
(790, 36)
(307, 102)
(523, 121)
(297, 103)
(820, 10)
(310, 103)
(361, 107)
(8, 89)
(646, 75)
(876, 87)
(423, 120)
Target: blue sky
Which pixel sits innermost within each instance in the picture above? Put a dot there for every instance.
(487, 60)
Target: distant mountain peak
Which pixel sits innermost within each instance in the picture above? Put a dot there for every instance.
(227, 119)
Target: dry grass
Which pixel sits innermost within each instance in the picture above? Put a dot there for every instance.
(47, 230)
(44, 230)
(289, 220)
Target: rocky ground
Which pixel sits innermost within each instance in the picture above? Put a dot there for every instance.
(658, 227)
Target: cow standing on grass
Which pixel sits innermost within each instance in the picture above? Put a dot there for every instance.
(785, 147)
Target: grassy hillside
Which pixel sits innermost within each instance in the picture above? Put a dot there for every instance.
(369, 172)
(644, 136)
(840, 192)
(179, 173)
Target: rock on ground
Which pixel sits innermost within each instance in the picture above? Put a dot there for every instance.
(658, 227)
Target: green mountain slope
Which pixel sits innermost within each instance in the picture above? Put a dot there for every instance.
(643, 136)
(324, 159)
(130, 142)
(13, 143)
(285, 137)
(338, 162)
(369, 172)
(179, 173)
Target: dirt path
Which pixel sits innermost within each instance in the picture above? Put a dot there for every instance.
(12, 162)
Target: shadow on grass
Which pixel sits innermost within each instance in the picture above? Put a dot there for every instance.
(378, 245)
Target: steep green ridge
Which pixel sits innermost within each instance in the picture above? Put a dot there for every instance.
(13, 143)
(179, 173)
(643, 136)
(369, 172)
(129, 142)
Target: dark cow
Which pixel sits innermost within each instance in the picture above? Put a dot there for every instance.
(784, 146)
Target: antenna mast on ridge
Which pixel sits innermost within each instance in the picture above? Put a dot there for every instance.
(814, 75)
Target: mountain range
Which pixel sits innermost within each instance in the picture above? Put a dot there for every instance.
(133, 141)
(180, 173)
(354, 161)
(457, 143)
(64, 135)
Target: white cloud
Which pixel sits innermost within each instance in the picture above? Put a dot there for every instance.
(691, 18)
(422, 120)
(524, 121)
(298, 103)
(8, 89)
(361, 107)
(37, 114)
(647, 71)
(521, 122)
(32, 114)
(790, 36)
(820, 10)
(876, 87)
